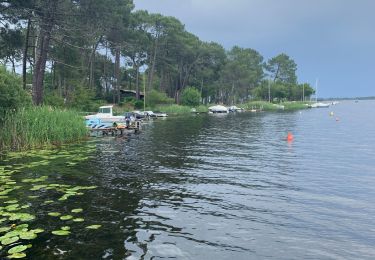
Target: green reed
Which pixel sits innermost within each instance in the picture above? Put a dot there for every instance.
(39, 127)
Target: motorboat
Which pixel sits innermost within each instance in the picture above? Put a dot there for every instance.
(218, 109)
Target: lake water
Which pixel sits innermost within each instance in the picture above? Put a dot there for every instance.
(214, 187)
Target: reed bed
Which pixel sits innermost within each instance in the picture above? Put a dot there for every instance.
(39, 127)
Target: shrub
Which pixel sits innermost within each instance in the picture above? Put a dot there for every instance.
(158, 98)
(12, 95)
(190, 97)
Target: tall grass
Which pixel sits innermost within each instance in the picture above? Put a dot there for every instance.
(266, 106)
(39, 127)
(173, 109)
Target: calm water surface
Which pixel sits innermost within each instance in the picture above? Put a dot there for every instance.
(220, 187)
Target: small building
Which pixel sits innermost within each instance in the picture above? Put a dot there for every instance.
(125, 93)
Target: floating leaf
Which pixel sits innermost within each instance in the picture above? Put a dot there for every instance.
(78, 219)
(66, 217)
(66, 228)
(22, 226)
(11, 201)
(28, 235)
(48, 201)
(37, 230)
(61, 232)
(77, 210)
(22, 217)
(94, 227)
(33, 197)
(54, 214)
(17, 255)
(17, 249)
(9, 240)
(4, 229)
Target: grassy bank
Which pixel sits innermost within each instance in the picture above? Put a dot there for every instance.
(40, 127)
(266, 106)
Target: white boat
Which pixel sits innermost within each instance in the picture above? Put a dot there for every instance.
(319, 105)
(235, 109)
(218, 109)
(104, 118)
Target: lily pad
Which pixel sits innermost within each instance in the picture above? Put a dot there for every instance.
(28, 235)
(66, 217)
(9, 240)
(17, 249)
(66, 228)
(11, 201)
(78, 219)
(4, 229)
(61, 232)
(77, 210)
(17, 255)
(54, 214)
(94, 227)
(37, 230)
(48, 201)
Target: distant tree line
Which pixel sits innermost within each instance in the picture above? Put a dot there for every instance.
(72, 51)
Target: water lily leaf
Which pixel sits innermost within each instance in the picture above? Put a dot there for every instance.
(9, 240)
(78, 219)
(11, 183)
(4, 197)
(48, 201)
(66, 217)
(22, 226)
(11, 202)
(17, 255)
(77, 210)
(33, 197)
(22, 217)
(66, 228)
(94, 227)
(17, 249)
(4, 229)
(25, 206)
(54, 214)
(37, 230)
(28, 235)
(61, 232)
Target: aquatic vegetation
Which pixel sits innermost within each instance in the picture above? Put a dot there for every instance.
(40, 126)
(94, 227)
(61, 232)
(21, 196)
(66, 217)
(17, 249)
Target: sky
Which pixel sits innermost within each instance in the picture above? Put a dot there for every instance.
(330, 40)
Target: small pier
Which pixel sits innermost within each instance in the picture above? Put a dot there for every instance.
(121, 130)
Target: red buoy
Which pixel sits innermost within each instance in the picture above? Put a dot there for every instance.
(290, 137)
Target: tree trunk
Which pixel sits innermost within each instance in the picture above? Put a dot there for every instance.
(40, 64)
(116, 92)
(42, 49)
(152, 71)
(24, 60)
(137, 94)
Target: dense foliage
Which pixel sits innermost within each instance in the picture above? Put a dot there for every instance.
(80, 51)
(12, 96)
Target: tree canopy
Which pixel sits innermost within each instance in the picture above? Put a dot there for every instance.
(95, 48)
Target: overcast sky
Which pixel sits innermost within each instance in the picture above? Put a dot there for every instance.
(332, 40)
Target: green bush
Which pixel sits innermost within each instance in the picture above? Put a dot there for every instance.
(158, 98)
(191, 97)
(12, 95)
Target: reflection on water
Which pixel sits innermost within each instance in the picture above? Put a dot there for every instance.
(221, 187)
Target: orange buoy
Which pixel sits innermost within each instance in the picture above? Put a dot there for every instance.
(290, 137)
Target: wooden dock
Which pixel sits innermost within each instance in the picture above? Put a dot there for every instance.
(115, 130)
